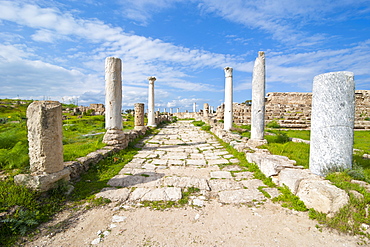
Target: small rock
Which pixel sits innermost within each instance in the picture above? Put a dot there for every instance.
(365, 226)
(99, 232)
(106, 233)
(197, 216)
(118, 218)
(96, 241)
(112, 226)
(198, 202)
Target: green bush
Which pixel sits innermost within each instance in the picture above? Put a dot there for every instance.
(273, 124)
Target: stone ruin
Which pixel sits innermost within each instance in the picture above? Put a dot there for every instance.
(293, 110)
(94, 109)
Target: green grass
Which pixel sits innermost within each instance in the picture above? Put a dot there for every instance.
(301, 134)
(198, 123)
(351, 216)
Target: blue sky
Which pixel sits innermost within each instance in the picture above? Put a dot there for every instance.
(56, 49)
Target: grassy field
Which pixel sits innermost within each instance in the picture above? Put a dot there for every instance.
(81, 135)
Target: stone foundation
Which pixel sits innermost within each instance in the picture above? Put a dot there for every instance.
(293, 110)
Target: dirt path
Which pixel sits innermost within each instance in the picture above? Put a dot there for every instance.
(229, 209)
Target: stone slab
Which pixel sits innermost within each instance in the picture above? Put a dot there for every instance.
(240, 196)
(221, 174)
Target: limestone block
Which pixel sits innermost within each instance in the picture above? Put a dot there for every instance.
(321, 195)
(292, 178)
(224, 184)
(157, 194)
(75, 168)
(221, 174)
(42, 182)
(45, 136)
(114, 194)
(270, 164)
(186, 182)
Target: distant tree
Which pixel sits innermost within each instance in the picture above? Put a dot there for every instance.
(248, 102)
(128, 111)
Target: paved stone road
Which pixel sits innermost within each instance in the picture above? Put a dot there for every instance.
(182, 156)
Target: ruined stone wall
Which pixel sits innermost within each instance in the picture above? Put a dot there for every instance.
(293, 110)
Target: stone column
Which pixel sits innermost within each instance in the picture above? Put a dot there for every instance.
(258, 100)
(332, 122)
(45, 135)
(113, 103)
(228, 113)
(194, 107)
(170, 110)
(113, 93)
(151, 117)
(205, 110)
(139, 116)
(178, 109)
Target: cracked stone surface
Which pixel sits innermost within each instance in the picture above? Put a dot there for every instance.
(184, 156)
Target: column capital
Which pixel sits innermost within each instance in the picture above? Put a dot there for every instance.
(228, 72)
(261, 54)
(152, 78)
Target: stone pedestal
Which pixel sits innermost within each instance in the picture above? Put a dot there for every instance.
(139, 114)
(258, 98)
(332, 122)
(228, 113)
(45, 136)
(205, 110)
(151, 117)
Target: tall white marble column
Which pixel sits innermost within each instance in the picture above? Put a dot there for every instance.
(194, 107)
(258, 98)
(151, 117)
(113, 103)
(113, 93)
(228, 113)
(332, 122)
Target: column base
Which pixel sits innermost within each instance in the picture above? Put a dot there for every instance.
(115, 138)
(42, 182)
(256, 143)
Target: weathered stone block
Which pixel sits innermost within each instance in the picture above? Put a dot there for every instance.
(321, 195)
(45, 136)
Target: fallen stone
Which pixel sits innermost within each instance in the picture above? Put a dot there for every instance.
(292, 178)
(322, 196)
(114, 194)
(118, 218)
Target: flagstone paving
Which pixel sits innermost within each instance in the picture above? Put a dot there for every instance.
(180, 156)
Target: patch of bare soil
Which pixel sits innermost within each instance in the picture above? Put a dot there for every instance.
(214, 224)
